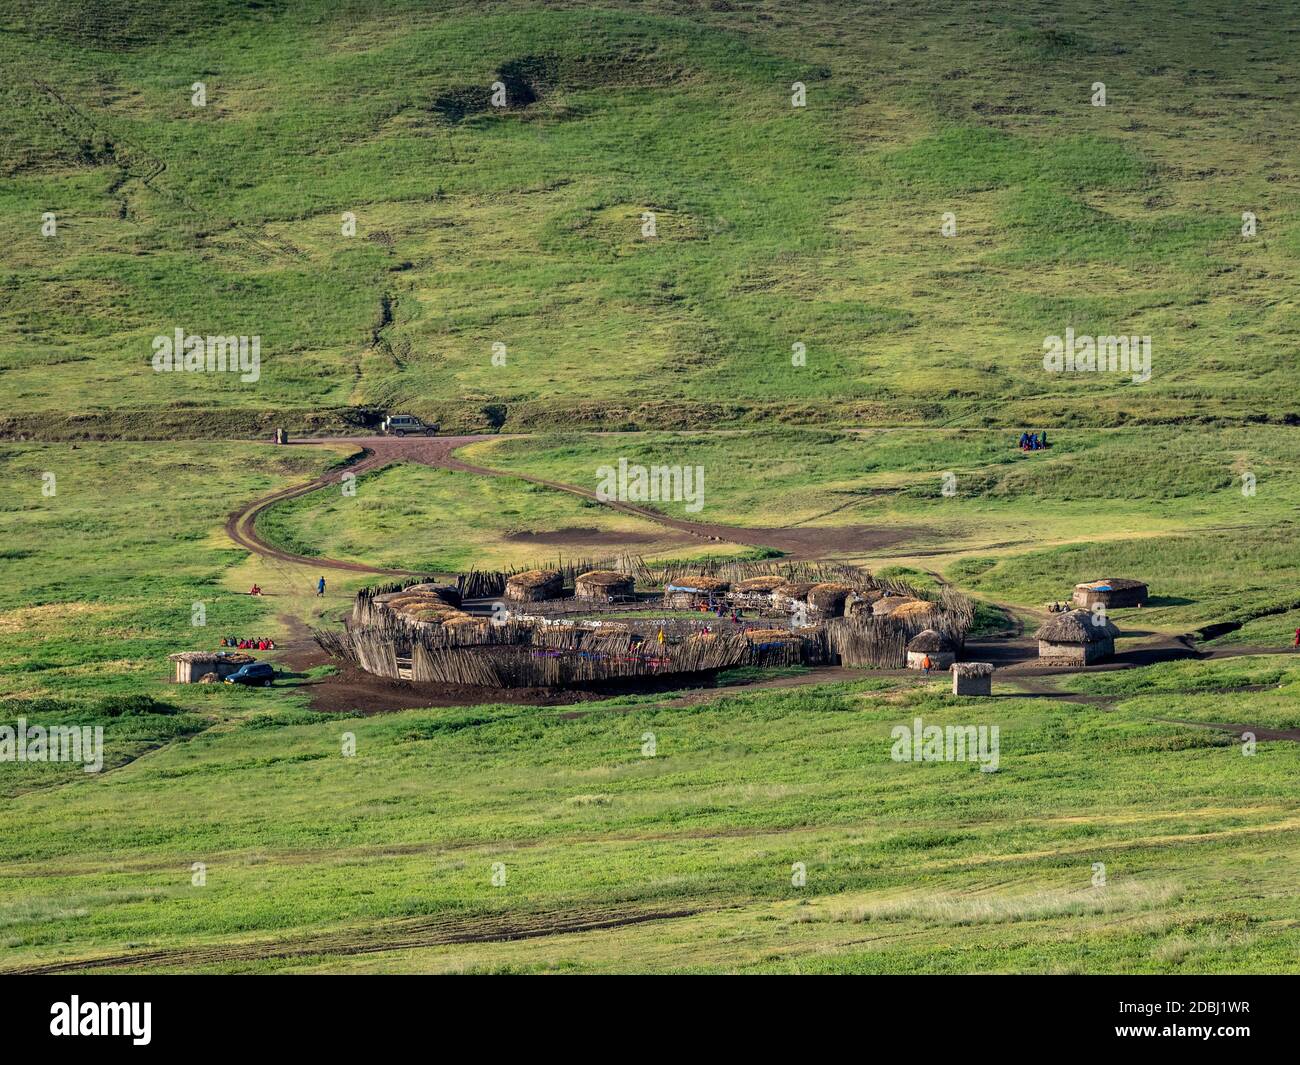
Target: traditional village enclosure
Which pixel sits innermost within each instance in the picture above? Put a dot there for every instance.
(434, 633)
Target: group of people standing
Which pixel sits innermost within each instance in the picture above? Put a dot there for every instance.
(721, 610)
(243, 643)
(1033, 441)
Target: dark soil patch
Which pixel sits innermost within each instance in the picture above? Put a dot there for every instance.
(582, 535)
(353, 689)
(529, 79)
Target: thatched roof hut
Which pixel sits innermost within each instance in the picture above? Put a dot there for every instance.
(770, 635)
(1111, 592)
(917, 609)
(887, 604)
(688, 591)
(1076, 637)
(828, 598)
(698, 583)
(929, 641)
(448, 593)
(767, 582)
(192, 666)
(435, 615)
(972, 678)
(789, 594)
(407, 603)
(464, 621)
(602, 583)
(932, 645)
(860, 600)
(534, 585)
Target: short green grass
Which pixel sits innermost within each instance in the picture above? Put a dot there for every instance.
(126, 563)
(522, 226)
(444, 521)
(910, 867)
(777, 227)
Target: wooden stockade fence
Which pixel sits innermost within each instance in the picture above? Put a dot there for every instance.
(513, 655)
(522, 655)
(533, 653)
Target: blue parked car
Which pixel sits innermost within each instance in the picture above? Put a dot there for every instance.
(254, 673)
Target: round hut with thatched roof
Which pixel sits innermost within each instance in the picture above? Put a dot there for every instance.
(887, 604)
(686, 593)
(603, 584)
(535, 585)
(860, 600)
(917, 611)
(448, 593)
(1111, 592)
(827, 599)
(932, 645)
(1075, 638)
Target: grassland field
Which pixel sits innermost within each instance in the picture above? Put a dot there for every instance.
(371, 863)
(522, 227)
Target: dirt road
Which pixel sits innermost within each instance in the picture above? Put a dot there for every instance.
(798, 543)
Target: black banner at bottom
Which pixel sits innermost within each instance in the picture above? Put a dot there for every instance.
(145, 1013)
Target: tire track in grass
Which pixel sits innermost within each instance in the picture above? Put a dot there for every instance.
(405, 935)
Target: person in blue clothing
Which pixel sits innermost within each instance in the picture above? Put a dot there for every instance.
(1024, 441)
(320, 586)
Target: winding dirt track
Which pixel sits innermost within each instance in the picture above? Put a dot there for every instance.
(797, 542)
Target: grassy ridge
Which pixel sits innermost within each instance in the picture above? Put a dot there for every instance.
(775, 225)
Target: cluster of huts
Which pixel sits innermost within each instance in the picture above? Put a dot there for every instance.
(1085, 635)
(803, 613)
(815, 600)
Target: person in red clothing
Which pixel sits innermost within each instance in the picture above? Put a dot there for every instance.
(1297, 638)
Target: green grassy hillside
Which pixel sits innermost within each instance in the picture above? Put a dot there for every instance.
(522, 226)
(681, 861)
